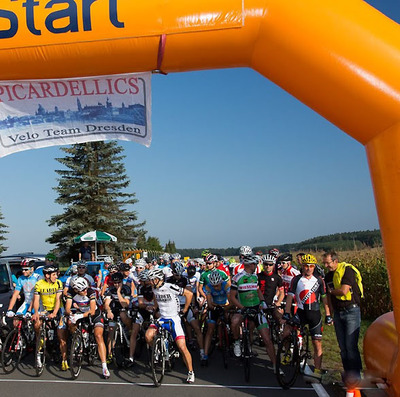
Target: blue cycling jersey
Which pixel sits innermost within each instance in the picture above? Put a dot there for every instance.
(219, 296)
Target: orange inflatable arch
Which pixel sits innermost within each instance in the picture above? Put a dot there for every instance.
(340, 57)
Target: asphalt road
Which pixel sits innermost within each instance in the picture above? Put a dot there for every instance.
(213, 380)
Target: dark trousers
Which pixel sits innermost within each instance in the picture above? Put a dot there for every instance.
(347, 326)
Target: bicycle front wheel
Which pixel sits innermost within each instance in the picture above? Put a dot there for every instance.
(287, 362)
(158, 360)
(76, 355)
(12, 351)
(120, 348)
(40, 352)
(224, 343)
(246, 355)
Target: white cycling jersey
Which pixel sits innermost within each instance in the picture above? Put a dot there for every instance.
(167, 298)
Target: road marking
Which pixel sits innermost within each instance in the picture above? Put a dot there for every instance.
(105, 383)
(319, 389)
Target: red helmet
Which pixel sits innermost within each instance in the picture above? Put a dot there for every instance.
(25, 263)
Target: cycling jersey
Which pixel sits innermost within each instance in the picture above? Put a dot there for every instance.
(27, 284)
(48, 293)
(219, 296)
(81, 303)
(287, 276)
(269, 283)
(240, 268)
(247, 286)
(205, 275)
(115, 304)
(307, 291)
(167, 297)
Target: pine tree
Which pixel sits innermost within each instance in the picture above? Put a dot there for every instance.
(3, 231)
(170, 247)
(92, 190)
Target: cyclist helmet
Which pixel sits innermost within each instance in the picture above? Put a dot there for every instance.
(250, 259)
(50, 257)
(245, 250)
(274, 251)
(215, 278)
(308, 259)
(141, 263)
(144, 275)
(205, 253)
(268, 258)
(285, 257)
(117, 277)
(210, 258)
(81, 263)
(113, 268)
(176, 256)
(191, 271)
(48, 269)
(26, 263)
(79, 283)
(108, 259)
(156, 273)
(124, 267)
(74, 269)
(178, 268)
(200, 261)
(166, 257)
(128, 261)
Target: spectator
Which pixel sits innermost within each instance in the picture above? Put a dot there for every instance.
(86, 253)
(345, 290)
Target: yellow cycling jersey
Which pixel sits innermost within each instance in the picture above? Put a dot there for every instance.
(48, 293)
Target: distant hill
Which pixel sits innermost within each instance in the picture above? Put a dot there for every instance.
(339, 242)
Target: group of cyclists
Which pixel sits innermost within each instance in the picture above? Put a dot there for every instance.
(185, 296)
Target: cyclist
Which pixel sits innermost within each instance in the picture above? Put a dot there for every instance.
(211, 261)
(308, 290)
(178, 279)
(245, 294)
(116, 303)
(47, 299)
(104, 272)
(81, 303)
(25, 283)
(108, 281)
(217, 292)
(166, 300)
(127, 278)
(286, 270)
(271, 286)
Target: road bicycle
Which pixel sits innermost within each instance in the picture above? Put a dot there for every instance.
(83, 345)
(46, 341)
(224, 335)
(275, 327)
(120, 343)
(293, 353)
(247, 354)
(16, 343)
(163, 351)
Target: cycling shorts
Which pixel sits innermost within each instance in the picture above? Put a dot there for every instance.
(314, 320)
(259, 319)
(172, 325)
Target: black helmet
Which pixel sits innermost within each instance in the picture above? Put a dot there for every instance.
(285, 257)
(191, 271)
(124, 266)
(117, 277)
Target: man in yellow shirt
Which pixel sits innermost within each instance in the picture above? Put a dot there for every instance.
(47, 300)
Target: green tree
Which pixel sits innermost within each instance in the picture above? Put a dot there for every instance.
(153, 244)
(170, 247)
(3, 231)
(92, 190)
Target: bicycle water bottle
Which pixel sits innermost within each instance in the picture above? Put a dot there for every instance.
(85, 336)
(300, 341)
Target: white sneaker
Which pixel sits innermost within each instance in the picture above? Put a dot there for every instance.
(237, 351)
(106, 373)
(190, 377)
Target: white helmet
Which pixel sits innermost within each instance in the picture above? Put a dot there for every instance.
(215, 277)
(108, 259)
(128, 261)
(245, 250)
(79, 283)
(268, 258)
(156, 273)
(140, 263)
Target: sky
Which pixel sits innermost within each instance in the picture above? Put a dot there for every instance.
(234, 160)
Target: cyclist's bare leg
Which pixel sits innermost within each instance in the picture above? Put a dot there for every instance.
(209, 334)
(149, 335)
(187, 358)
(264, 332)
(236, 321)
(62, 337)
(317, 344)
(132, 342)
(101, 347)
(199, 336)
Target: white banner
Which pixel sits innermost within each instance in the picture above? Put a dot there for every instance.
(40, 113)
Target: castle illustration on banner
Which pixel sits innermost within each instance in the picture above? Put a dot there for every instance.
(132, 114)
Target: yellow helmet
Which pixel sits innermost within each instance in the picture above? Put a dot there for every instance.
(308, 258)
